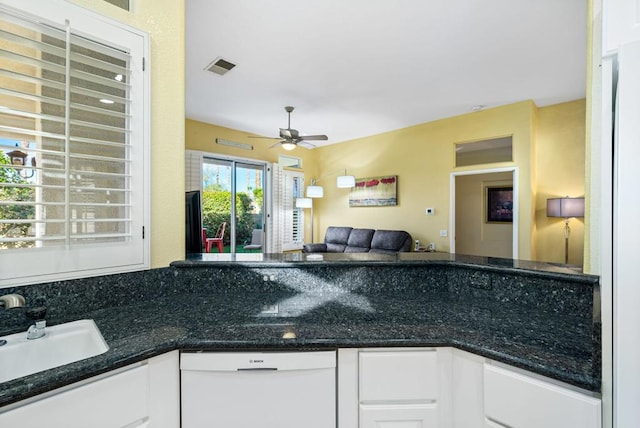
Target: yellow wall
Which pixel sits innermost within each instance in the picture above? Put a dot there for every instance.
(423, 158)
(561, 172)
(164, 21)
(202, 136)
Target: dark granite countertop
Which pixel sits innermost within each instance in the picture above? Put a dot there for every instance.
(558, 344)
(397, 259)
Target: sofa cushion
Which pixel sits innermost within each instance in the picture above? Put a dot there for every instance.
(385, 241)
(359, 241)
(336, 238)
(318, 247)
(339, 239)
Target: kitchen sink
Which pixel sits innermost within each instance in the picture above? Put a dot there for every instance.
(62, 344)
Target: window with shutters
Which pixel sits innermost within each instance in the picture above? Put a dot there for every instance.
(73, 146)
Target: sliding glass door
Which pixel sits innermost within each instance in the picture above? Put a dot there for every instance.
(240, 225)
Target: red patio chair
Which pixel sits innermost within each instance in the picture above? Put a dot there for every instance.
(217, 240)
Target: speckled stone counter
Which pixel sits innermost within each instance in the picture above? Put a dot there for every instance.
(539, 317)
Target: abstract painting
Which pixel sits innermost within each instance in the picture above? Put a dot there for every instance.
(375, 192)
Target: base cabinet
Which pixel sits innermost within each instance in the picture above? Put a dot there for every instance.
(515, 399)
(394, 388)
(449, 388)
(144, 395)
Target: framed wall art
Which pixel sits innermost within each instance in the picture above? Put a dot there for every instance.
(375, 192)
(499, 204)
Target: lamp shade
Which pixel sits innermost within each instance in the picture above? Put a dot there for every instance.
(315, 191)
(565, 207)
(304, 202)
(346, 181)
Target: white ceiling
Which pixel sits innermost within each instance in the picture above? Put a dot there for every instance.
(354, 68)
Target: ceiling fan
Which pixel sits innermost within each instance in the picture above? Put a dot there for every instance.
(290, 139)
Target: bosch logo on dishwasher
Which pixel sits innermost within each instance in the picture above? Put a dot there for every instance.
(256, 361)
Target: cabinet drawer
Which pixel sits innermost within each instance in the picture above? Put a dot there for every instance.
(398, 376)
(516, 400)
(399, 416)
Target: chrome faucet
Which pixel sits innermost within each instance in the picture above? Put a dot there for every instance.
(12, 301)
(36, 331)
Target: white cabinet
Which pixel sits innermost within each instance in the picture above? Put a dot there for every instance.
(518, 400)
(141, 395)
(394, 388)
(467, 390)
(449, 388)
(621, 23)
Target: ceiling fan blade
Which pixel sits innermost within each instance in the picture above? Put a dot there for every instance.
(314, 137)
(306, 145)
(264, 138)
(276, 144)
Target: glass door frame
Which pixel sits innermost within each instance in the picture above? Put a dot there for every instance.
(234, 163)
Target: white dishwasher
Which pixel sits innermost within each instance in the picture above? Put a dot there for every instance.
(258, 389)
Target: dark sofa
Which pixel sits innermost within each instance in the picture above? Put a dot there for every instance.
(350, 240)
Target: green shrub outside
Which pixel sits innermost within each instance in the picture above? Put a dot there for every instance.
(21, 212)
(216, 209)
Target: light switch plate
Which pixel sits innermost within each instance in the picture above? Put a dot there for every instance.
(443, 233)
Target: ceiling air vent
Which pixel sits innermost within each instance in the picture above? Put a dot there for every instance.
(220, 66)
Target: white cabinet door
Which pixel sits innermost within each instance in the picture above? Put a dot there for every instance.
(467, 390)
(399, 416)
(115, 401)
(520, 401)
(404, 388)
(621, 23)
(398, 375)
(144, 395)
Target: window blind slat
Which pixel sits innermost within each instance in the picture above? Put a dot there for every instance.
(29, 61)
(21, 77)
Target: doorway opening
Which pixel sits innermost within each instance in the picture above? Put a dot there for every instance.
(484, 212)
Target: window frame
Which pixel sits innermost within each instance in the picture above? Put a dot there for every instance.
(33, 265)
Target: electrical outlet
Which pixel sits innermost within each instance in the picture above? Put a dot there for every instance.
(443, 233)
(430, 211)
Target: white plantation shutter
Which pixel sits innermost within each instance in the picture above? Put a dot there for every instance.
(297, 215)
(75, 106)
(277, 211)
(193, 170)
(288, 220)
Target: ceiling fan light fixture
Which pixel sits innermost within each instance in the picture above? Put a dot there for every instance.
(288, 145)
